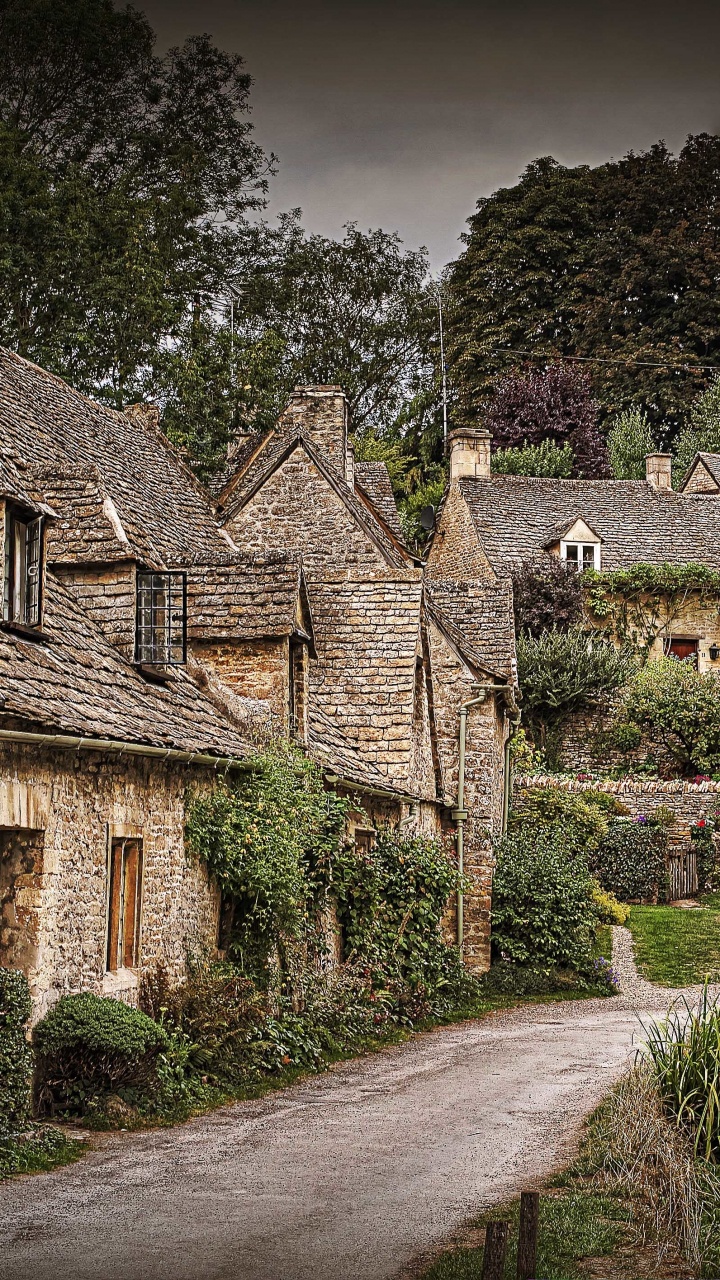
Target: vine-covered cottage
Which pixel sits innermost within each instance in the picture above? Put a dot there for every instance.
(151, 636)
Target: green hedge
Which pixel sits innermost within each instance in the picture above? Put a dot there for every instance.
(88, 1047)
(631, 861)
(15, 1052)
(583, 818)
(542, 912)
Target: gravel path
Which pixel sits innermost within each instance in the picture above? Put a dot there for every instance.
(347, 1176)
(636, 991)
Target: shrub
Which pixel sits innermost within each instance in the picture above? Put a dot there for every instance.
(629, 440)
(580, 820)
(685, 1055)
(547, 593)
(88, 1046)
(630, 861)
(544, 459)
(609, 909)
(563, 672)
(542, 912)
(391, 900)
(681, 707)
(15, 1052)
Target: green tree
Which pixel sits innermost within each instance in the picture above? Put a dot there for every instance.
(702, 432)
(630, 438)
(618, 262)
(545, 459)
(681, 707)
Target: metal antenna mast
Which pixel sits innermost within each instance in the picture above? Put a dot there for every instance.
(444, 371)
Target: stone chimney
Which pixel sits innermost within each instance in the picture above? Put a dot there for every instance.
(145, 416)
(470, 453)
(658, 470)
(322, 413)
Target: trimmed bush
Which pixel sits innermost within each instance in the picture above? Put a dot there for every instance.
(15, 1052)
(542, 912)
(581, 819)
(88, 1047)
(630, 862)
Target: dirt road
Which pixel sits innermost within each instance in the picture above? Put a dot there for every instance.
(346, 1177)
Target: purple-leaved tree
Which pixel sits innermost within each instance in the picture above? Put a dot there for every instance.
(554, 404)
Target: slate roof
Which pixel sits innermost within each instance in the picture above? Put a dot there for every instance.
(163, 508)
(78, 684)
(374, 479)
(246, 598)
(477, 618)
(87, 528)
(514, 516)
(711, 461)
(334, 751)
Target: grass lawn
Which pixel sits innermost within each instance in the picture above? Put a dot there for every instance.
(676, 947)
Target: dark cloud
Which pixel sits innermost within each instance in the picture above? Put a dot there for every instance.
(401, 115)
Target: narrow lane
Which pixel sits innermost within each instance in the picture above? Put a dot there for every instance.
(347, 1176)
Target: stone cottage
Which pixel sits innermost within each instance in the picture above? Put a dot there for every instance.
(151, 635)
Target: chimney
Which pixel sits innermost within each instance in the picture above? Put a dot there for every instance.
(322, 413)
(658, 470)
(470, 453)
(145, 416)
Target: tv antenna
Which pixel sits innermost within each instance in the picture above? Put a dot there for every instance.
(442, 366)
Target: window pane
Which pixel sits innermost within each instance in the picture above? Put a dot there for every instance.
(571, 552)
(161, 618)
(588, 556)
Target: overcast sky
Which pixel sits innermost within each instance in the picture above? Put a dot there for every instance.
(400, 115)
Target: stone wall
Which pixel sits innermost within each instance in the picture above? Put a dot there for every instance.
(456, 552)
(257, 669)
(70, 805)
(107, 594)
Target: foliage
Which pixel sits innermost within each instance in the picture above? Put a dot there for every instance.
(630, 860)
(618, 261)
(581, 821)
(547, 593)
(269, 838)
(701, 434)
(684, 1052)
(391, 900)
(15, 1053)
(609, 909)
(125, 178)
(553, 405)
(428, 493)
(561, 672)
(542, 910)
(708, 859)
(640, 603)
(525, 758)
(88, 1046)
(630, 439)
(681, 707)
(545, 459)
(37, 1150)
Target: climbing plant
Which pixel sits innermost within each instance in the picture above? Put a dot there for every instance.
(269, 838)
(638, 604)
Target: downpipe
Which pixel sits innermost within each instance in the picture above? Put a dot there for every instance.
(459, 814)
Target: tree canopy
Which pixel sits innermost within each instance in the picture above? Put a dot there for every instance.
(615, 263)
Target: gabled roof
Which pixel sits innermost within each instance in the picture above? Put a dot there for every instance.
(54, 430)
(334, 751)
(374, 479)
(711, 462)
(256, 463)
(75, 682)
(515, 516)
(477, 619)
(563, 528)
(248, 598)
(87, 528)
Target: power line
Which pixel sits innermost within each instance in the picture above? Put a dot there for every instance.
(645, 364)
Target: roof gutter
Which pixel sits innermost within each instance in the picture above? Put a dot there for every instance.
(335, 779)
(67, 742)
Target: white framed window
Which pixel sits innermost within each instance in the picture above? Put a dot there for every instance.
(582, 555)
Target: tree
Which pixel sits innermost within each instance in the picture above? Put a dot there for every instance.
(547, 459)
(555, 404)
(680, 706)
(547, 593)
(629, 440)
(615, 263)
(702, 432)
(124, 178)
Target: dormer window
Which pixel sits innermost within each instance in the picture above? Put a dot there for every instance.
(22, 571)
(581, 555)
(161, 623)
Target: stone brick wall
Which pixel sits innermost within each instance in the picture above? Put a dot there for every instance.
(107, 594)
(456, 553)
(69, 805)
(253, 669)
(323, 413)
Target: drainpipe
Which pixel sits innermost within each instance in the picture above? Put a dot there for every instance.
(507, 773)
(460, 813)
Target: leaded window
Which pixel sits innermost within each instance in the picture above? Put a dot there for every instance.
(161, 618)
(22, 568)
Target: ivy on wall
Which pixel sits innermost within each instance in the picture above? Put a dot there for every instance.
(641, 603)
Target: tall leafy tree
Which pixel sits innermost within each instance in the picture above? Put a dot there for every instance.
(701, 433)
(617, 264)
(630, 439)
(553, 404)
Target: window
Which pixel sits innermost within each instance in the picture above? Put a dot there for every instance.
(583, 555)
(161, 618)
(21, 586)
(125, 893)
(681, 648)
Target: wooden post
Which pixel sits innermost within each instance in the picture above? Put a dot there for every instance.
(496, 1239)
(528, 1235)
